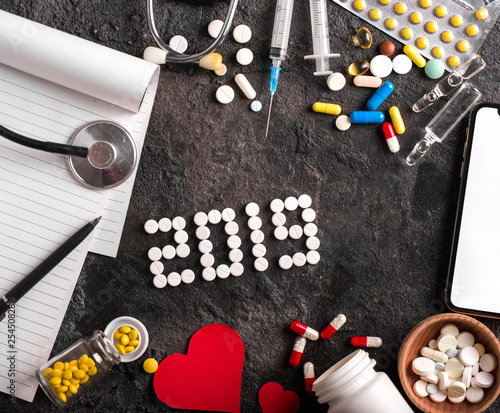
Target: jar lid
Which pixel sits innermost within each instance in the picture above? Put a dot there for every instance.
(135, 324)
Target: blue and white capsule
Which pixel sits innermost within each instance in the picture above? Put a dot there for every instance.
(361, 116)
(381, 94)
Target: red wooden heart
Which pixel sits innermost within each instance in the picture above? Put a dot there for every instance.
(274, 399)
(208, 377)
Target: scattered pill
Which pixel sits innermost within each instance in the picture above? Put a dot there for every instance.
(225, 94)
(235, 255)
(154, 254)
(366, 341)
(291, 203)
(285, 262)
(431, 388)
(363, 38)
(309, 376)
(221, 71)
(187, 276)
(215, 27)
(467, 376)
(156, 267)
(299, 259)
(484, 380)
(310, 229)
(252, 209)
(420, 388)
(444, 380)
(254, 223)
(181, 236)
(482, 14)
(208, 274)
(358, 68)
(438, 397)
(174, 279)
(214, 216)
(336, 81)
(228, 214)
(304, 330)
(380, 95)
(327, 108)
(366, 117)
(488, 362)
(178, 43)
(454, 368)
(343, 122)
(397, 122)
(242, 33)
(256, 106)
(312, 257)
(200, 219)
(245, 86)
(305, 201)
(333, 326)
(475, 395)
(160, 281)
(422, 366)
(406, 33)
(231, 228)
(298, 349)
(439, 365)
(150, 365)
(182, 250)
(441, 11)
(261, 264)
(391, 24)
(277, 205)
(257, 237)
(236, 269)
(244, 56)
(259, 250)
(234, 241)
(367, 81)
(295, 232)
(168, 252)
(281, 233)
(223, 271)
(381, 66)
(434, 69)
(414, 55)
(151, 226)
(390, 137)
(164, 225)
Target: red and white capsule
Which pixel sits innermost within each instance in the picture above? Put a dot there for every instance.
(298, 349)
(303, 330)
(366, 341)
(390, 137)
(333, 327)
(309, 376)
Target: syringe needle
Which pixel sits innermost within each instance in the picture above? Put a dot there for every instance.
(269, 116)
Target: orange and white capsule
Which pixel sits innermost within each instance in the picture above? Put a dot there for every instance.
(298, 349)
(303, 330)
(366, 341)
(309, 376)
(333, 327)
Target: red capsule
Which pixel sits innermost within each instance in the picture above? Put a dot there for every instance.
(309, 376)
(304, 330)
(333, 327)
(298, 349)
(364, 341)
(390, 137)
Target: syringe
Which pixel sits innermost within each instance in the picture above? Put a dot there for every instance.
(279, 45)
(320, 38)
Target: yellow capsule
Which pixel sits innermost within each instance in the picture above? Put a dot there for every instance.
(121, 349)
(79, 374)
(360, 5)
(384, 2)
(90, 363)
(150, 365)
(117, 335)
(482, 14)
(68, 375)
(463, 46)
(375, 14)
(454, 61)
(59, 365)
(62, 389)
(391, 24)
(416, 17)
(73, 363)
(363, 39)
(69, 394)
(212, 61)
(328, 108)
(133, 333)
(431, 27)
(56, 373)
(125, 329)
(56, 386)
(422, 42)
(425, 3)
(75, 381)
(441, 11)
(358, 68)
(73, 389)
(83, 359)
(407, 33)
(47, 371)
(397, 120)
(124, 339)
(66, 382)
(129, 349)
(85, 379)
(472, 30)
(457, 20)
(447, 36)
(438, 52)
(62, 397)
(414, 55)
(400, 8)
(66, 366)
(83, 367)
(55, 381)
(134, 343)
(73, 368)
(92, 371)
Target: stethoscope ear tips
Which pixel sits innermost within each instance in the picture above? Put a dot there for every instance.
(155, 55)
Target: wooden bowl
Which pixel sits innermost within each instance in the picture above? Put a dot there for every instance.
(420, 336)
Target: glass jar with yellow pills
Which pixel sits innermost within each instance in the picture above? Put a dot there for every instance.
(391, 24)
(441, 11)
(375, 14)
(78, 368)
(416, 17)
(359, 5)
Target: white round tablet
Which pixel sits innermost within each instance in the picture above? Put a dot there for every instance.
(256, 106)
(174, 279)
(422, 366)
(223, 271)
(154, 254)
(432, 344)
(151, 226)
(299, 259)
(205, 246)
(308, 215)
(182, 250)
(280, 233)
(168, 252)
(208, 274)
(465, 339)
(444, 380)
(484, 379)
(257, 236)
(156, 267)
(254, 223)
(200, 219)
(450, 329)
(187, 276)
(336, 81)
(456, 400)
(278, 219)
(164, 225)
(313, 257)
(244, 56)
(228, 214)
(231, 228)
(261, 264)
(402, 64)
(438, 397)
(420, 388)
(236, 269)
(234, 241)
(475, 395)
(235, 255)
(207, 260)
(178, 43)
(305, 201)
(381, 66)
(468, 356)
(178, 223)
(252, 209)
(285, 262)
(277, 205)
(160, 281)
(202, 233)
(291, 203)
(215, 27)
(310, 229)
(343, 122)
(214, 216)
(259, 250)
(488, 362)
(221, 71)
(181, 237)
(295, 232)
(224, 94)
(312, 243)
(242, 33)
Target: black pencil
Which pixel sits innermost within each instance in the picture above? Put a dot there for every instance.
(35, 276)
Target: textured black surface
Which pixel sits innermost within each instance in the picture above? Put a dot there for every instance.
(385, 228)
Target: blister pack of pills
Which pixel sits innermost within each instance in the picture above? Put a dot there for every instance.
(451, 30)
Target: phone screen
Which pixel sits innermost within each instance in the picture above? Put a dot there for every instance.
(475, 266)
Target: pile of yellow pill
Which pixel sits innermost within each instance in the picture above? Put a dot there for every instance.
(66, 377)
(126, 339)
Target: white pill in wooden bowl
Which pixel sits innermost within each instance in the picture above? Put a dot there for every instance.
(420, 388)
(422, 366)
(468, 356)
(488, 362)
(475, 395)
(465, 339)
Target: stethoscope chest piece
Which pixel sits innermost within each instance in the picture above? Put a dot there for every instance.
(112, 155)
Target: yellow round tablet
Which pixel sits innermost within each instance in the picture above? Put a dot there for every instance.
(400, 8)
(431, 27)
(425, 3)
(441, 11)
(406, 33)
(391, 24)
(457, 20)
(416, 17)
(384, 2)
(472, 30)
(447, 36)
(454, 61)
(422, 42)
(463, 46)
(482, 14)
(438, 52)
(150, 365)
(360, 5)
(375, 14)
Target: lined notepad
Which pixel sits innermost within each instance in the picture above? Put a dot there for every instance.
(41, 204)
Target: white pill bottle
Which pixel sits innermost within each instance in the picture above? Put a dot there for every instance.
(353, 386)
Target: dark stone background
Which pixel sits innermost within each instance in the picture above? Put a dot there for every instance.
(385, 228)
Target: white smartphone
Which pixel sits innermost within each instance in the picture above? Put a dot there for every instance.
(473, 285)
